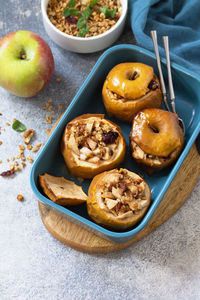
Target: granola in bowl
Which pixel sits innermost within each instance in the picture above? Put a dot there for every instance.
(84, 18)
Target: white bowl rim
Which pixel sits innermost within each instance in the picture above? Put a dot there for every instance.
(123, 15)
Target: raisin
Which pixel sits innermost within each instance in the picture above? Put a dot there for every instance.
(71, 20)
(7, 173)
(153, 85)
(110, 137)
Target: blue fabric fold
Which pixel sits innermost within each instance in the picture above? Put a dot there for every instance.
(179, 19)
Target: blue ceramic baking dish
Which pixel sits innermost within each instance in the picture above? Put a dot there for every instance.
(88, 100)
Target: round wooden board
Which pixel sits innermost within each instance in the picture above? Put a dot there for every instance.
(78, 238)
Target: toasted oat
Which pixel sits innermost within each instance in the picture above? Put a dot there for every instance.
(48, 131)
(48, 119)
(21, 147)
(29, 147)
(29, 158)
(20, 197)
(35, 149)
(23, 164)
(28, 135)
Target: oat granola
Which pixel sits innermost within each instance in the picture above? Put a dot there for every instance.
(98, 22)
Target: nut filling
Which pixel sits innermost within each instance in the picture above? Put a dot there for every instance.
(124, 195)
(92, 140)
(138, 153)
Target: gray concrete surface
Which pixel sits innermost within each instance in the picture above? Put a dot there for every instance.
(33, 265)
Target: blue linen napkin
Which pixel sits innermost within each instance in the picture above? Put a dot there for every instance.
(179, 19)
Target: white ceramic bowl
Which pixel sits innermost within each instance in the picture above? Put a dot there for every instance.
(84, 44)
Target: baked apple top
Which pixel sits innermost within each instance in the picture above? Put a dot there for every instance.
(92, 141)
(118, 198)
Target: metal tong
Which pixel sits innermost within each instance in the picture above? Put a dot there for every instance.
(162, 82)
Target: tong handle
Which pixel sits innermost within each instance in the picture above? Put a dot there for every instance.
(162, 82)
(170, 82)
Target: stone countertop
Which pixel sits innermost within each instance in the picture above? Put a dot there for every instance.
(33, 265)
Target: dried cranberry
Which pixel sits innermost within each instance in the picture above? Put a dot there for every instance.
(153, 85)
(71, 20)
(7, 173)
(110, 137)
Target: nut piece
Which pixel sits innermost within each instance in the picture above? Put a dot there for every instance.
(20, 197)
(48, 119)
(28, 135)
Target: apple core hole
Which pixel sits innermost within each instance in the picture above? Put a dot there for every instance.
(22, 54)
(132, 75)
(153, 128)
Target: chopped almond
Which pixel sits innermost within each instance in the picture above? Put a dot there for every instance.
(48, 119)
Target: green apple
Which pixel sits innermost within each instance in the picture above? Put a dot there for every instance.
(26, 63)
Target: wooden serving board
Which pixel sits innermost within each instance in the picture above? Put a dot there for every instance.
(78, 238)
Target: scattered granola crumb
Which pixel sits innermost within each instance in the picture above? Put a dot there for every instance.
(12, 158)
(48, 119)
(44, 107)
(28, 135)
(29, 147)
(20, 197)
(35, 149)
(7, 159)
(23, 164)
(18, 156)
(48, 130)
(17, 168)
(16, 163)
(14, 120)
(22, 155)
(60, 106)
(7, 123)
(53, 112)
(29, 158)
(11, 167)
(58, 79)
(1, 142)
(21, 147)
(50, 100)
(1, 161)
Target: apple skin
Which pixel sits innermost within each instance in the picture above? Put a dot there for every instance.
(26, 63)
